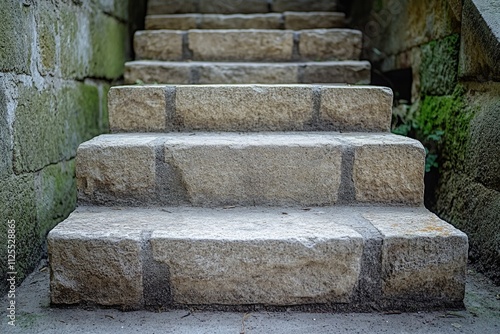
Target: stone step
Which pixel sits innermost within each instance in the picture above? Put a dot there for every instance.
(153, 72)
(336, 258)
(161, 108)
(238, 6)
(275, 169)
(248, 45)
(287, 20)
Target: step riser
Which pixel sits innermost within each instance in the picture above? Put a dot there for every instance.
(231, 169)
(249, 108)
(288, 20)
(248, 45)
(237, 6)
(352, 258)
(244, 73)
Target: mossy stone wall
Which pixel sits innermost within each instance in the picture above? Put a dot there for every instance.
(453, 50)
(58, 59)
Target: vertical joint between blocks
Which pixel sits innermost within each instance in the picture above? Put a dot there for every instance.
(187, 54)
(170, 106)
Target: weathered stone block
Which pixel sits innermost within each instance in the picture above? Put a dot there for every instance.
(38, 132)
(47, 30)
(158, 45)
(480, 31)
(233, 6)
(89, 267)
(116, 167)
(16, 38)
(315, 20)
(270, 263)
(266, 108)
(349, 72)
(304, 5)
(151, 72)
(388, 170)
(357, 108)
(254, 169)
(137, 108)
(330, 44)
(241, 45)
(241, 73)
(238, 21)
(108, 38)
(172, 22)
(156, 7)
(75, 35)
(422, 261)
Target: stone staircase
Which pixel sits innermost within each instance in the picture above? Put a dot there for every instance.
(248, 180)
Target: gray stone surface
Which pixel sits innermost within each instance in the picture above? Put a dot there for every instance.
(158, 44)
(245, 256)
(265, 108)
(313, 20)
(156, 7)
(246, 45)
(150, 72)
(330, 44)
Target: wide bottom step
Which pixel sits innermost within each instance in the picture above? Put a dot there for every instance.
(342, 258)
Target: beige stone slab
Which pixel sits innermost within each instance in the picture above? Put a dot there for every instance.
(171, 6)
(273, 262)
(158, 45)
(89, 266)
(313, 20)
(239, 21)
(387, 168)
(349, 72)
(173, 22)
(157, 72)
(423, 257)
(137, 108)
(351, 108)
(248, 73)
(241, 44)
(258, 168)
(304, 5)
(110, 167)
(330, 44)
(243, 107)
(233, 6)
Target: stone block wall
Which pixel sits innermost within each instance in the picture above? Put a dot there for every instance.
(450, 50)
(58, 59)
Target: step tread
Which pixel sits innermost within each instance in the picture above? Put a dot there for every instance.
(287, 168)
(248, 44)
(286, 20)
(237, 6)
(249, 107)
(238, 256)
(195, 72)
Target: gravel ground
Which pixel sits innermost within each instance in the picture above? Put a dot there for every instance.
(34, 315)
